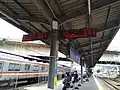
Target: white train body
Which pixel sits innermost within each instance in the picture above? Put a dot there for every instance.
(12, 67)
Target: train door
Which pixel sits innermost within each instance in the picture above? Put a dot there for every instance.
(1, 68)
(27, 70)
(27, 67)
(43, 70)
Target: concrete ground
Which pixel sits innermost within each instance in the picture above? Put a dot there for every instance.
(94, 83)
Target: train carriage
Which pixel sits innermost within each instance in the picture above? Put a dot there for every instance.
(13, 67)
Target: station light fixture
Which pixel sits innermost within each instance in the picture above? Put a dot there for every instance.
(82, 58)
(55, 25)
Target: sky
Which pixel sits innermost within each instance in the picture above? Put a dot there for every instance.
(9, 31)
(115, 44)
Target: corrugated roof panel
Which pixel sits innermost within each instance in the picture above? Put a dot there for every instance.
(14, 7)
(55, 7)
(99, 34)
(79, 26)
(79, 22)
(68, 2)
(107, 33)
(73, 6)
(97, 38)
(82, 40)
(98, 21)
(38, 26)
(62, 1)
(25, 1)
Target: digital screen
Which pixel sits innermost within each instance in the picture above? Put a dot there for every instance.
(31, 37)
(87, 32)
(74, 55)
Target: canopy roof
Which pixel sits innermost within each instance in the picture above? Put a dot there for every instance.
(33, 16)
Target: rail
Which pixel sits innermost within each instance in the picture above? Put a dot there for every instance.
(112, 83)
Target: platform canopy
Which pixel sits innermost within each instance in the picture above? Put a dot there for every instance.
(33, 16)
(112, 52)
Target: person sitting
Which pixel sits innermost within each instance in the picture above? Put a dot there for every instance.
(75, 75)
(75, 80)
(67, 80)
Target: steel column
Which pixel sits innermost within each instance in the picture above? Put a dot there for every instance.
(81, 61)
(53, 59)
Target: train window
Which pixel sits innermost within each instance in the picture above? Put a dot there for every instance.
(47, 68)
(27, 67)
(11, 67)
(35, 68)
(42, 68)
(58, 70)
(0, 65)
(17, 67)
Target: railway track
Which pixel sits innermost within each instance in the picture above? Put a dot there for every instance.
(20, 84)
(112, 84)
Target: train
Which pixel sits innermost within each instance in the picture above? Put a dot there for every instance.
(14, 68)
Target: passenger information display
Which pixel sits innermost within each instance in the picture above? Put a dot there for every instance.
(69, 34)
(73, 54)
(76, 33)
(31, 37)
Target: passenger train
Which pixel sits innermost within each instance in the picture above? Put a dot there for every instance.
(14, 67)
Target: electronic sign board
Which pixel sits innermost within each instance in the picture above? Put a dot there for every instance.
(69, 34)
(74, 55)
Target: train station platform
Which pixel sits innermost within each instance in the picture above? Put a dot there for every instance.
(94, 83)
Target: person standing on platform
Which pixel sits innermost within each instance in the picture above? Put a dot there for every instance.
(75, 80)
(67, 80)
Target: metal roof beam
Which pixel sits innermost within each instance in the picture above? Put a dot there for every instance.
(94, 42)
(42, 7)
(4, 4)
(94, 54)
(31, 19)
(35, 28)
(95, 59)
(84, 51)
(108, 14)
(113, 24)
(105, 25)
(111, 52)
(5, 16)
(59, 6)
(80, 12)
(108, 62)
(22, 7)
(110, 25)
(45, 27)
(89, 63)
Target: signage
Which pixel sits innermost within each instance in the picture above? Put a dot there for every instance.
(73, 54)
(31, 37)
(75, 33)
(55, 25)
(87, 32)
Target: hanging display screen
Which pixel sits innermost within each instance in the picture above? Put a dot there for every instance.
(87, 32)
(31, 37)
(74, 55)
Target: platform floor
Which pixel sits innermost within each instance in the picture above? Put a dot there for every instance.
(91, 85)
(94, 83)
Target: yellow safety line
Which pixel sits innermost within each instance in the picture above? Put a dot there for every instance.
(98, 84)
